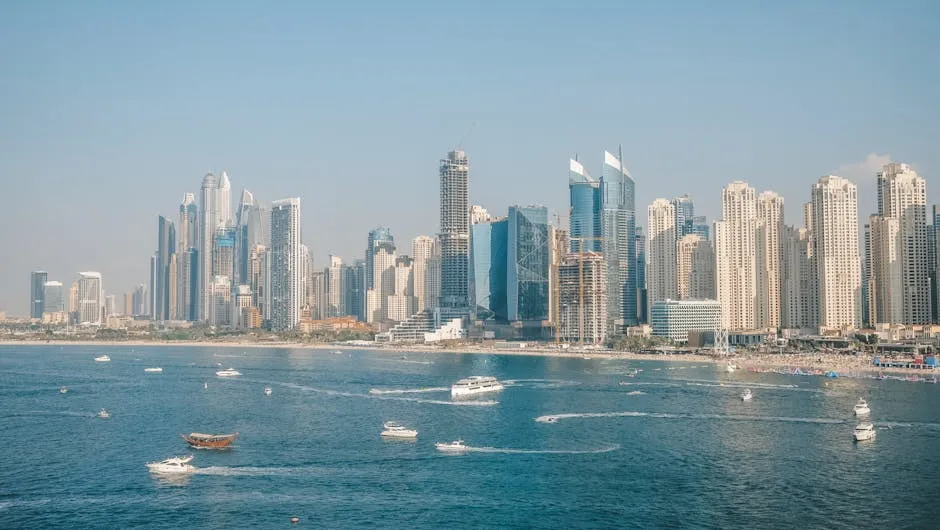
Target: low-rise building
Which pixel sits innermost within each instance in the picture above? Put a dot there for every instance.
(674, 319)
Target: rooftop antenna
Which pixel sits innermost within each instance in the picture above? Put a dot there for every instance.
(467, 135)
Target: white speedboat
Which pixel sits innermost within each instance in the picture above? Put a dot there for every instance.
(861, 408)
(64, 390)
(103, 414)
(478, 384)
(336, 352)
(267, 391)
(394, 429)
(231, 372)
(172, 466)
(102, 359)
(456, 446)
(730, 368)
(864, 431)
(154, 370)
(746, 395)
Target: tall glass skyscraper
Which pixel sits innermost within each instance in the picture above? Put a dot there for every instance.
(37, 282)
(287, 289)
(488, 260)
(455, 230)
(249, 232)
(529, 263)
(160, 290)
(380, 237)
(685, 216)
(585, 195)
(618, 229)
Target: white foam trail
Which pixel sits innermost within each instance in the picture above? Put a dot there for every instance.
(252, 471)
(375, 391)
(636, 393)
(542, 451)
(391, 398)
(552, 418)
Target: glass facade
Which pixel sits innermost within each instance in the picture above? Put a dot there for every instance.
(37, 282)
(488, 259)
(685, 215)
(585, 195)
(618, 228)
(529, 263)
(379, 237)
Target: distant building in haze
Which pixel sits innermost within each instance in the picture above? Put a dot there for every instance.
(37, 281)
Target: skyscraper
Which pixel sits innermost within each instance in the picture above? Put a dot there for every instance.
(336, 288)
(582, 298)
(735, 259)
(835, 230)
(769, 254)
(695, 268)
(640, 267)
(224, 201)
(54, 297)
(586, 203)
(187, 266)
(378, 237)
(249, 232)
(383, 278)
(488, 260)
(899, 242)
(208, 223)
(355, 289)
(423, 248)
(455, 230)
(166, 245)
(685, 215)
(661, 252)
(800, 305)
(529, 261)
(286, 257)
(90, 298)
(37, 281)
(618, 229)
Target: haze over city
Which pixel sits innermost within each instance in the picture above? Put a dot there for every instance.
(114, 111)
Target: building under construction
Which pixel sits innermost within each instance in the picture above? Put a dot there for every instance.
(582, 298)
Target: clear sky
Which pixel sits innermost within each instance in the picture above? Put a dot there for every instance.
(112, 110)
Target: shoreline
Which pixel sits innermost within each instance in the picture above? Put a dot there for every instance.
(844, 365)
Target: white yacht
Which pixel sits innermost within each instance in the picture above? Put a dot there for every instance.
(64, 390)
(392, 429)
(103, 414)
(102, 359)
(231, 372)
(478, 384)
(864, 431)
(267, 391)
(861, 408)
(154, 370)
(456, 446)
(176, 465)
(746, 395)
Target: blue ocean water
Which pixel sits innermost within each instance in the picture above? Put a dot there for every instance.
(674, 447)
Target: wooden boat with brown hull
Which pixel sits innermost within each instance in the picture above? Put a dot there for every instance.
(209, 441)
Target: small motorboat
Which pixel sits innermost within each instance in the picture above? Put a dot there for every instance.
(861, 407)
(456, 446)
(267, 391)
(394, 429)
(102, 359)
(103, 414)
(63, 390)
(172, 466)
(209, 441)
(746, 395)
(336, 352)
(154, 370)
(205, 385)
(633, 373)
(864, 431)
(730, 368)
(231, 372)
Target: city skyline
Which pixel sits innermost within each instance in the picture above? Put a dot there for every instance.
(685, 129)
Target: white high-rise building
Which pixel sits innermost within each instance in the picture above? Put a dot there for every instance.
(695, 268)
(90, 298)
(769, 255)
(735, 260)
(835, 231)
(220, 311)
(383, 274)
(423, 248)
(582, 298)
(224, 195)
(455, 230)
(335, 288)
(899, 253)
(208, 221)
(401, 303)
(661, 252)
(53, 297)
(286, 265)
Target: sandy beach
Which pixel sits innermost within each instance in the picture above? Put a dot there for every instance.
(845, 365)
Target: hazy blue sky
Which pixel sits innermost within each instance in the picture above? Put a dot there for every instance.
(111, 111)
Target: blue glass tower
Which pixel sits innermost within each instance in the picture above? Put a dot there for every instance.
(488, 259)
(378, 237)
(529, 263)
(618, 229)
(685, 215)
(585, 195)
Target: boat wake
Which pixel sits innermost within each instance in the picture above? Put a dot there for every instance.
(469, 403)
(636, 393)
(472, 449)
(553, 418)
(712, 383)
(378, 391)
(539, 383)
(224, 471)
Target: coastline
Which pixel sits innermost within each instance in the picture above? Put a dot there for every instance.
(844, 365)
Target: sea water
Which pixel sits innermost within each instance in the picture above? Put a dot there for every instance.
(565, 445)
